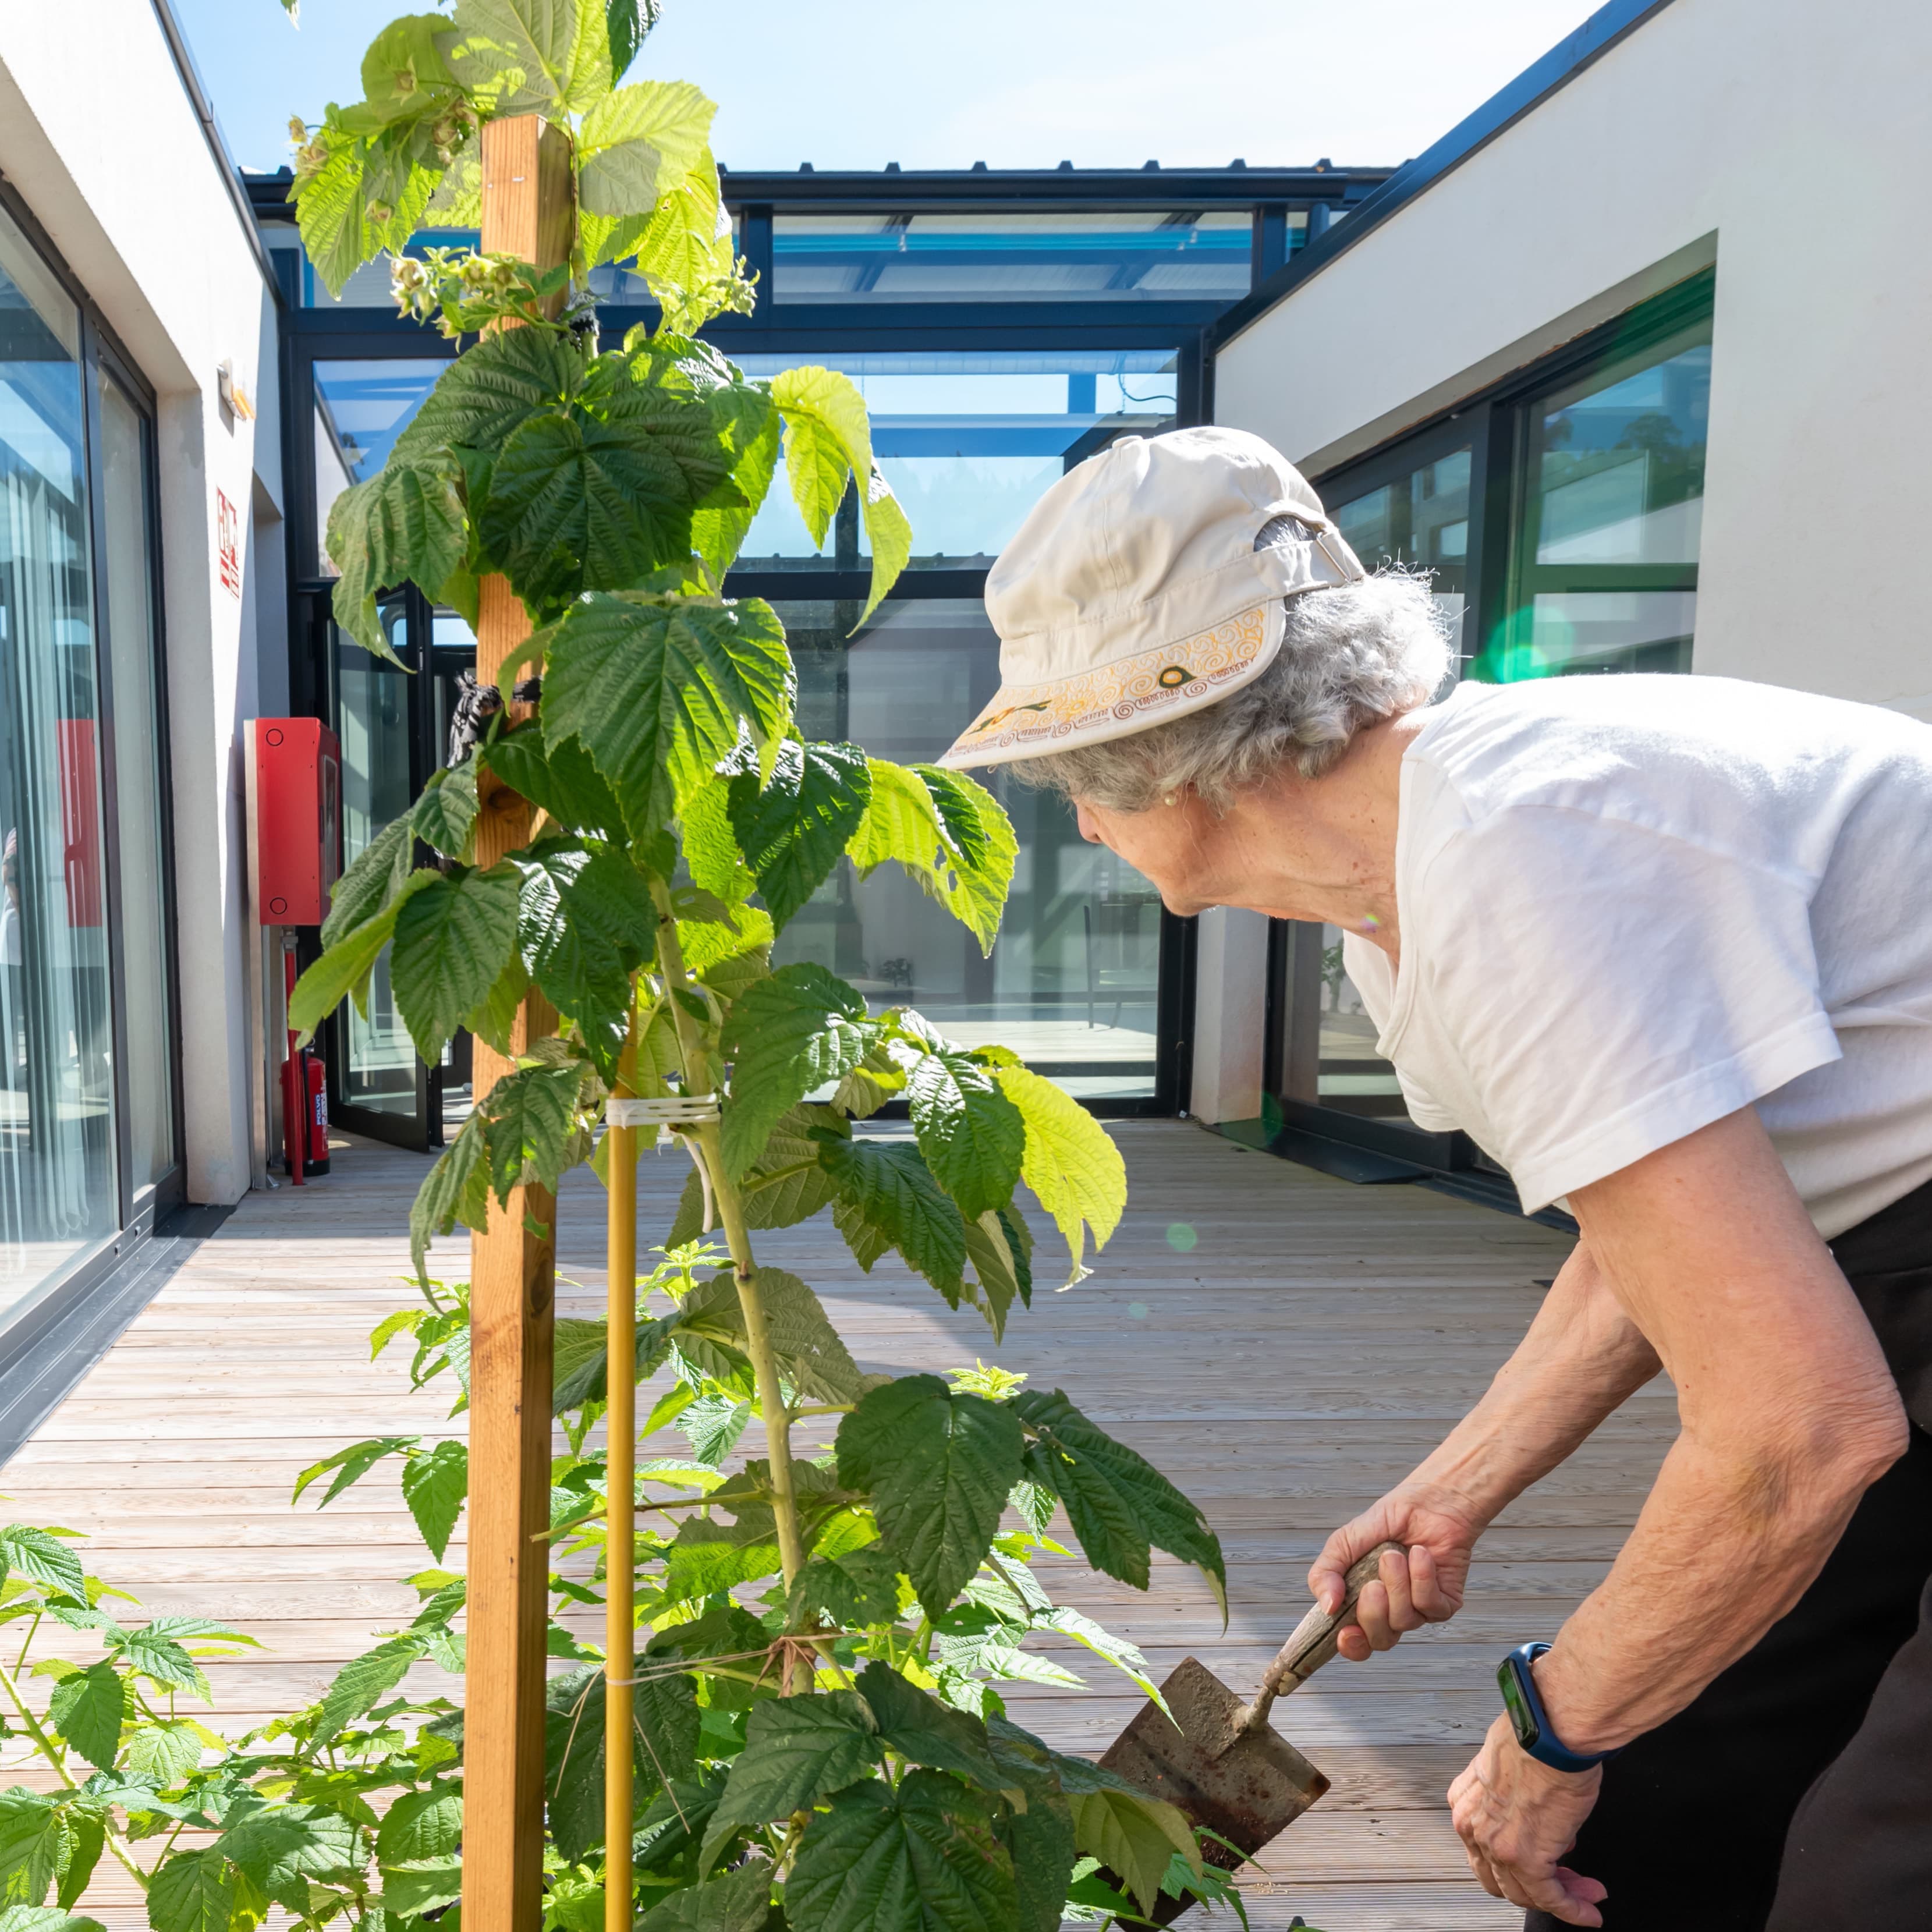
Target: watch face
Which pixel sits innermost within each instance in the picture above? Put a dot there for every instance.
(1520, 1716)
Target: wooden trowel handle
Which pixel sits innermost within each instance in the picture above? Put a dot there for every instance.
(1313, 1643)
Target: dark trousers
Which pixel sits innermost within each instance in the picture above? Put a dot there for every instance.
(1795, 1795)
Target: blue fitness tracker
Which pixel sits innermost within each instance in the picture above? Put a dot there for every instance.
(1528, 1718)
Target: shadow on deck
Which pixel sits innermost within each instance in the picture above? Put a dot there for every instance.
(1297, 1355)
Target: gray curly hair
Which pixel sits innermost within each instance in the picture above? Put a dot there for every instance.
(1351, 656)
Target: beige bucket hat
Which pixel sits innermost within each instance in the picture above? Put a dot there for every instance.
(1147, 583)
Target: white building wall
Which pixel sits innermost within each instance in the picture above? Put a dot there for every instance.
(1790, 146)
(98, 136)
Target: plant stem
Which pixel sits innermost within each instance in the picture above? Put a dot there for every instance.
(698, 1077)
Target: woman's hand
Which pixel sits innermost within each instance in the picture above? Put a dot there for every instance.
(1423, 1583)
(1516, 1817)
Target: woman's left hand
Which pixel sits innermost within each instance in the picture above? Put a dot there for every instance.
(1516, 1818)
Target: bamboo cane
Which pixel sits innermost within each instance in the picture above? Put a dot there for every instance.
(620, 1554)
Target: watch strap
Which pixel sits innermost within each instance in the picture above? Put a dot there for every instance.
(1516, 1676)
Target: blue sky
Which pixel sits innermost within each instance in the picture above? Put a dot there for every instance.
(943, 83)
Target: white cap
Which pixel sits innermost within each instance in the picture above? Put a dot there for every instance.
(1134, 592)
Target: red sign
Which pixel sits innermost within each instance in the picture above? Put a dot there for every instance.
(228, 544)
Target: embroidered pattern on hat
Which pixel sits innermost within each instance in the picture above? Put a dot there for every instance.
(1152, 681)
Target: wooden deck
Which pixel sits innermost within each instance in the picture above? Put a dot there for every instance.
(1310, 1346)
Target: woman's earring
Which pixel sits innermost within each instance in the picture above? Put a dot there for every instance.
(1168, 800)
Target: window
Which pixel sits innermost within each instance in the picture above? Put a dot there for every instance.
(1418, 519)
(87, 1088)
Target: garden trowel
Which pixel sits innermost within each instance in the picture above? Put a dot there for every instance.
(1225, 1766)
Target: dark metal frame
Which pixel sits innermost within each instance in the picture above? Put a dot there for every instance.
(102, 351)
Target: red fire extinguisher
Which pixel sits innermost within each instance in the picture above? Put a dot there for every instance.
(304, 1097)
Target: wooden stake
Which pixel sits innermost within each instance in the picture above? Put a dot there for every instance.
(620, 1542)
(526, 212)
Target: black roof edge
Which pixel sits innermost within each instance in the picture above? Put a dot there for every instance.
(1001, 188)
(1537, 82)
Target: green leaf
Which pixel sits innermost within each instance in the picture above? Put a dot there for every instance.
(1116, 1502)
(710, 1554)
(404, 76)
(793, 832)
(456, 1189)
(938, 1465)
(162, 1753)
(739, 1901)
(351, 1465)
(810, 1353)
(358, 1686)
(452, 939)
(710, 848)
(407, 523)
(920, 1859)
(785, 1035)
(328, 980)
(973, 1137)
(444, 816)
(283, 1845)
(422, 1885)
(33, 1837)
(331, 212)
(924, 1731)
(664, 1744)
(1040, 1839)
(1069, 1162)
(88, 1709)
(434, 1486)
(559, 779)
(891, 536)
(626, 23)
(45, 1919)
(656, 692)
(372, 879)
(855, 1591)
(637, 144)
(528, 1117)
(887, 1185)
(999, 1267)
(1134, 1836)
(585, 920)
(522, 56)
(421, 1824)
(784, 1186)
(193, 1891)
(828, 440)
(983, 849)
(32, 1553)
(753, 425)
(490, 390)
(796, 1749)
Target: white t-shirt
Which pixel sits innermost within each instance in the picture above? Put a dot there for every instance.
(1631, 905)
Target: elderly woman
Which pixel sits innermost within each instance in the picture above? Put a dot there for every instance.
(1664, 946)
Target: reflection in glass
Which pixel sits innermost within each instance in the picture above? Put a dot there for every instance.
(1420, 521)
(57, 1183)
(1351, 1075)
(1072, 983)
(969, 441)
(1140, 256)
(360, 408)
(1619, 473)
(374, 728)
(146, 950)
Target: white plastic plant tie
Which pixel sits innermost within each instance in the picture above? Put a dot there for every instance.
(674, 1110)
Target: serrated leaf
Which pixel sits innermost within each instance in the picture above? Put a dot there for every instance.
(738, 1900)
(793, 832)
(360, 1685)
(1116, 1501)
(785, 1035)
(810, 1353)
(488, 393)
(559, 779)
(890, 535)
(753, 425)
(923, 1857)
(283, 1845)
(522, 56)
(347, 964)
(710, 848)
(656, 693)
(452, 939)
(855, 1591)
(528, 1118)
(163, 1753)
(88, 1709)
(937, 1464)
(435, 1486)
(405, 523)
(828, 440)
(31, 1552)
(1069, 1162)
(332, 213)
(33, 1840)
(421, 1825)
(887, 1185)
(421, 1886)
(796, 1749)
(351, 1465)
(456, 1189)
(46, 1918)
(710, 1554)
(664, 1744)
(983, 852)
(972, 1135)
(924, 1731)
(192, 1891)
(445, 815)
(637, 144)
(999, 1268)
(584, 922)
(1134, 1836)
(374, 877)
